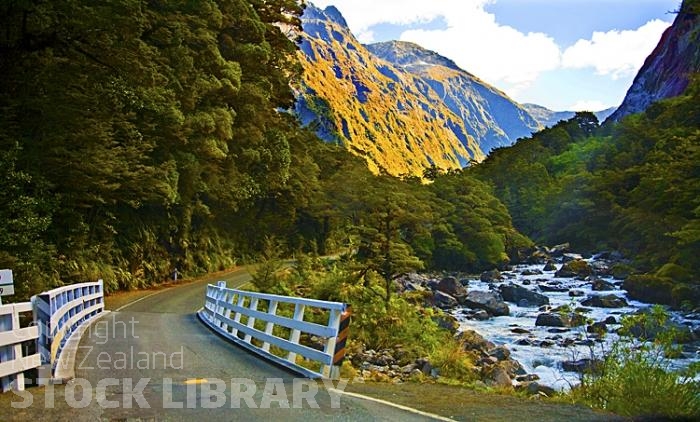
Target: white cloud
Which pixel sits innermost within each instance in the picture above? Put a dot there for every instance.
(499, 54)
(588, 105)
(615, 53)
(365, 37)
(363, 14)
(473, 39)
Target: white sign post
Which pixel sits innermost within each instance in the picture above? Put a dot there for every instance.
(7, 284)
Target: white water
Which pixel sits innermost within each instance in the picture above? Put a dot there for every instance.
(546, 361)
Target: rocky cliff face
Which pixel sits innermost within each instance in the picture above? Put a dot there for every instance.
(667, 70)
(488, 114)
(401, 107)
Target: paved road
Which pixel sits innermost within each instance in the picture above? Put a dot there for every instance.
(158, 349)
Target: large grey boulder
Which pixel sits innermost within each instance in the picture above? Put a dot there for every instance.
(443, 300)
(490, 302)
(599, 285)
(452, 287)
(492, 276)
(605, 301)
(549, 319)
(522, 296)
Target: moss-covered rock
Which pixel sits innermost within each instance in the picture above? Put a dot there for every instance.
(674, 272)
(575, 268)
(662, 290)
(621, 271)
(650, 288)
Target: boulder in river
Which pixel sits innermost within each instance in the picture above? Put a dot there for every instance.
(553, 287)
(551, 320)
(550, 266)
(500, 353)
(575, 268)
(599, 327)
(517, 294)
(538, 256)
(481, 315)
(452, 287)
(601, 268)
(559, 250)
(492, 276)
(599, 285)
(580, 366)
(490, 302)
(605, 301)
(443, 300)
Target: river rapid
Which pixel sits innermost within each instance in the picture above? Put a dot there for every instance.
(542, 350)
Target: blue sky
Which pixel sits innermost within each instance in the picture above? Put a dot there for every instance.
(562, 54)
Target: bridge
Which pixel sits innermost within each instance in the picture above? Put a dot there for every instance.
(156, 359)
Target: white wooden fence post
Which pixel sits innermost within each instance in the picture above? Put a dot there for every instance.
(296, 334)
(6, 323)
(251, 320)
(272, 310)
(334, 322)
(232, 305)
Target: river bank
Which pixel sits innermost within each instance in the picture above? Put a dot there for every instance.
(535, 326)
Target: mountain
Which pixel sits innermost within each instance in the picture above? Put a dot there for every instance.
(667, 70)
(401, 107)
(494, 119)
(549, 118)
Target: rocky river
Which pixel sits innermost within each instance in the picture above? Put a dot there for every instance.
(535, 326)
(521, 310)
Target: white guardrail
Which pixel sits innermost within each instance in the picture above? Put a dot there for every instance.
(61, 312)
(234, 313)
(15, 342)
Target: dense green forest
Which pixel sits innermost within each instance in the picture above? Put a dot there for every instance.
(633, 187)
(139, 137)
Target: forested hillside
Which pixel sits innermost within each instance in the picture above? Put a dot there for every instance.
(632, 187)
(137, 138)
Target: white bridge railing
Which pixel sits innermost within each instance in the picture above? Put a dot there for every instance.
(16, 342)
(55, 316)
(61, 312)
(253, 321)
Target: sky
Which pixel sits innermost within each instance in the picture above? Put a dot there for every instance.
(561, 54)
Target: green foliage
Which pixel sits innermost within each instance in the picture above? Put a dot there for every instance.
(142, 137)
(453, 361)
(145, 124)
(405, 322)
(635, 378)
(632, 186)
(266, 277)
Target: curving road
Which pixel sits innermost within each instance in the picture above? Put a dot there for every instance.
(153, 360)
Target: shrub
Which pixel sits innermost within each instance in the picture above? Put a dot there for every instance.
(635, 378)
(674, 272)
(453, 361)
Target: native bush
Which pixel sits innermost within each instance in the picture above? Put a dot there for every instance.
(636, 379)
